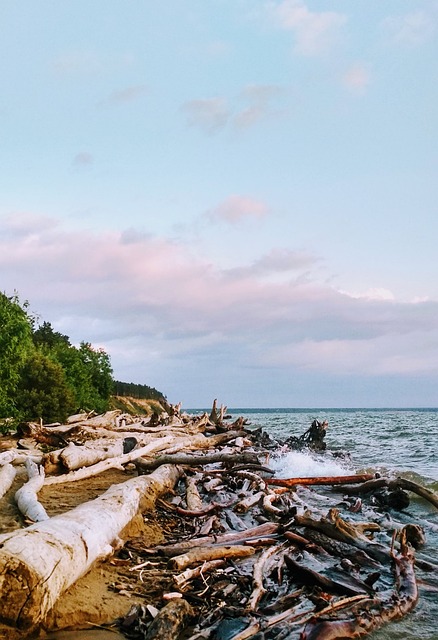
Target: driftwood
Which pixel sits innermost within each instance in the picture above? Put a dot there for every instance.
(7, 476)
(18, 456)
(398, 483)
(73, 457)
(39, 563)
(110, 463)
(259, 570)
(344, 585)
(335, 527)
(364, 619)
(225, 576)
(193, 499)
(324, 480)
(197, 460)
(26, 496)
(203, 554)
(182, 579)
(237, 537)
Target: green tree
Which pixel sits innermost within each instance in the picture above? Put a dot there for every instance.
(47, 338)
(43, 391)
(88, 371)
(15, 347)
(97, 364)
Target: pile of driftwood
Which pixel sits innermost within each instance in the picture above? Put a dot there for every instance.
(249, 555)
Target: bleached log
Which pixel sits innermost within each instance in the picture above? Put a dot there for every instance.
(18, 456)
(77, 417)
(107, 419)
(73, 457)
(247, 503)
(7, 476)
(203, 554)
(268, 499)
(26, 496)
(199, 460)
(111, 463)
(39, 563)
(200, 441)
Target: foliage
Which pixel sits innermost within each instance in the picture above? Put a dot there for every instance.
(88, 371)
(43, 391)
(141, 391)
(15, 346)
(42, 375)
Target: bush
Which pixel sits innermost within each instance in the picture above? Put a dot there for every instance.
(43, 391)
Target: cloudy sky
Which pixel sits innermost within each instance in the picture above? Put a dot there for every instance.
(235, 198)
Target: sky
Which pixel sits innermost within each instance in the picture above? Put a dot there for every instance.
(236, 199)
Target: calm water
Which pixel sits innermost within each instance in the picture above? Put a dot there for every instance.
(395, 442)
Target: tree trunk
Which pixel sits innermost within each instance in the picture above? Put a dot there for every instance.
(7, 476)
(39, 563)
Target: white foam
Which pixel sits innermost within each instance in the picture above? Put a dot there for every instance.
(299, 464)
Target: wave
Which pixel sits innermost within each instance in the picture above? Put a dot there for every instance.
(303, 464)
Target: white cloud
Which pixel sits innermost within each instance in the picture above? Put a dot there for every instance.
(254, 103)
(210, 114)
(376, 293)
(315, 32)
(126, 95)
(411, 29)
(261, 102)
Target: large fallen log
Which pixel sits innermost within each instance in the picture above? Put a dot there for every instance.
(73, 457)
(7, 476)
(39, 563)
(110, 463)
(197, 460)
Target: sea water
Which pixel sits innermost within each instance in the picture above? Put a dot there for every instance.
(393, 442)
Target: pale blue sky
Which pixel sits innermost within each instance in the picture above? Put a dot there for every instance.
(237, 199)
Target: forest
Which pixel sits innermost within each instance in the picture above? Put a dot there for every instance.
(43, 375)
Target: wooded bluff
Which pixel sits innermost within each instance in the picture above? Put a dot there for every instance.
(44, 376)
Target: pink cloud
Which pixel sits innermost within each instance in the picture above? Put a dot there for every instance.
(315, 31)
(357, 78)
(154, 302)
(237, 208)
